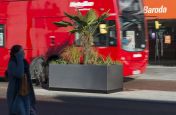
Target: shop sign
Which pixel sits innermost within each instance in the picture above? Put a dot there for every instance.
(158, 10)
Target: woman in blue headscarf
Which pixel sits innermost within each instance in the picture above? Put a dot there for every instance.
(17, 67)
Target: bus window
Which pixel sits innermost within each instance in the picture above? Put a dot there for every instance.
(1, 35)
(132, 25)
(103, 36)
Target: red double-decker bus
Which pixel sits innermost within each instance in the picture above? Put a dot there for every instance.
(30, 24)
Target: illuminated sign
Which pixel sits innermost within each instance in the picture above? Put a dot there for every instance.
(81, 4)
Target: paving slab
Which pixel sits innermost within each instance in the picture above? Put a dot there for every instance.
(158, 73)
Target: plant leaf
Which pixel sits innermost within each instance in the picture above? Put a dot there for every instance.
(63, 24)
(90, 16)
(103, 16)
(74, 31)
(76, 19)
(81, 17)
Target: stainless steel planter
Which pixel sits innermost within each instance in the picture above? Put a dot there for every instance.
(88, 78)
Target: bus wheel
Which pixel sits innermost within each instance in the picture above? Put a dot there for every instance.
(38, 71)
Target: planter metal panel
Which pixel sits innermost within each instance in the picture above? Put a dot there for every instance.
(100, 78)
(114, 77)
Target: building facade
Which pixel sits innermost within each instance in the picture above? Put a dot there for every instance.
(161, 22)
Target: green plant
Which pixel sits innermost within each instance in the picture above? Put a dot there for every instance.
(86, 26)
(71, 54)
(109, 61)
(59, 61)
(96, 58)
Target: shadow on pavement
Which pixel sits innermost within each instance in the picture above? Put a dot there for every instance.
(128, 79)
(112, 106)
(75, 105)
(3, 80)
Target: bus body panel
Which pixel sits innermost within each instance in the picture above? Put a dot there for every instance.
(30, 24)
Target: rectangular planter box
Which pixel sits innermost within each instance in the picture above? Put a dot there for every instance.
(87, 78)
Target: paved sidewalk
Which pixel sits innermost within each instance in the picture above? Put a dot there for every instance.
(140, 95)
(158, 73)
(153, 73)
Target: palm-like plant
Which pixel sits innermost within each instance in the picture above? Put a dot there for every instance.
(86, 26)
